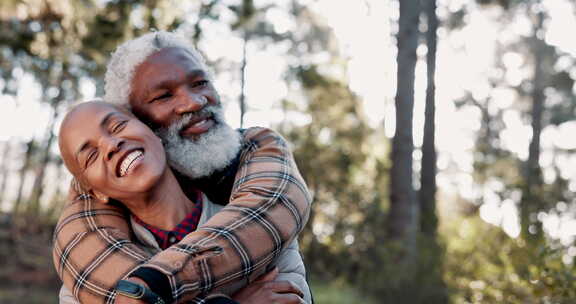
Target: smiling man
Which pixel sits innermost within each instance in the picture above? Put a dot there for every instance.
(167, 85)
(173, 93)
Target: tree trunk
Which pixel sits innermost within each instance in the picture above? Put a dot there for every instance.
(432, 285)
(58, 199)
(27, 161)
(243, 80)
(38, 187)
(427, 195)
(403, 216)
(533, 172)
(4, 171)
(204, 11)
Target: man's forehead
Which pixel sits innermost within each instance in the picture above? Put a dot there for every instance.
(164, 67)
(173, 55)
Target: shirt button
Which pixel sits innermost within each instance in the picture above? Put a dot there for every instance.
(172, 239)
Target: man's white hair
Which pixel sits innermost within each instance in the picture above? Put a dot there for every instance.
(129, 55)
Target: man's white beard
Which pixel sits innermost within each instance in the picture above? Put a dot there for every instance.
(209, 152)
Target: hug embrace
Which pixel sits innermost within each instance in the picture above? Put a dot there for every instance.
(169, 204)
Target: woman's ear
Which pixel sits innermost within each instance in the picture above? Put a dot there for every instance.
(101, 197)
(82, 190)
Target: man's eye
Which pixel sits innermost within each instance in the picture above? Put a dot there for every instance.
(200, 83)
(161, 97)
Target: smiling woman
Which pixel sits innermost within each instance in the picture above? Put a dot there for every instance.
(113, 154)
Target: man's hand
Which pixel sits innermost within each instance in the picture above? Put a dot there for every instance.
(120, 299)
(265, 290)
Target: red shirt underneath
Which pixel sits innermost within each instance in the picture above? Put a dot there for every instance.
(167, 238)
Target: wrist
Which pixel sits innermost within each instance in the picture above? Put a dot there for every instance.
(130, 289)
(155, 280)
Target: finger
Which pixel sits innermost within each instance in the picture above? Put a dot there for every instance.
(284, 287)
(288, 298)
(270, 276)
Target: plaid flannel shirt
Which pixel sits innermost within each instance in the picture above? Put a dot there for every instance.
(269, 205)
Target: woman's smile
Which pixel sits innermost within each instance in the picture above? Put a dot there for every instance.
(128, 162)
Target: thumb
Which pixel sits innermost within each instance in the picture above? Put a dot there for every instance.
(270, 276)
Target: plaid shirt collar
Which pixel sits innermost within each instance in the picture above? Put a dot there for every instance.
(167, 238)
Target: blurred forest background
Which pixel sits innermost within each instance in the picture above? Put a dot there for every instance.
(438, 137)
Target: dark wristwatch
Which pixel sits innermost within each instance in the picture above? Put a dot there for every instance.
(137, 291)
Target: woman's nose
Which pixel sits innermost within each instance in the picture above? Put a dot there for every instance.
(110, 145)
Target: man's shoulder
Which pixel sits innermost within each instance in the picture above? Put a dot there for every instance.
(261, 136)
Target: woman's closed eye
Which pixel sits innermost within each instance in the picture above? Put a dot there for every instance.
(118, 126)
(92, 154)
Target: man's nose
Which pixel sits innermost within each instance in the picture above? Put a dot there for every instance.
(191, 102)
(110, 145)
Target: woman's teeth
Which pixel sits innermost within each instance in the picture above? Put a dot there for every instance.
(129, 161)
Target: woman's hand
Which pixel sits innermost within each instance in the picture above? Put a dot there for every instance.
(265, 290)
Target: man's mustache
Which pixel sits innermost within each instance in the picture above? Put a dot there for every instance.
(207, 111)
(213, 111)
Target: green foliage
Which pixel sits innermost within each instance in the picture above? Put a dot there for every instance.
(500, 269)
(336, 292)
